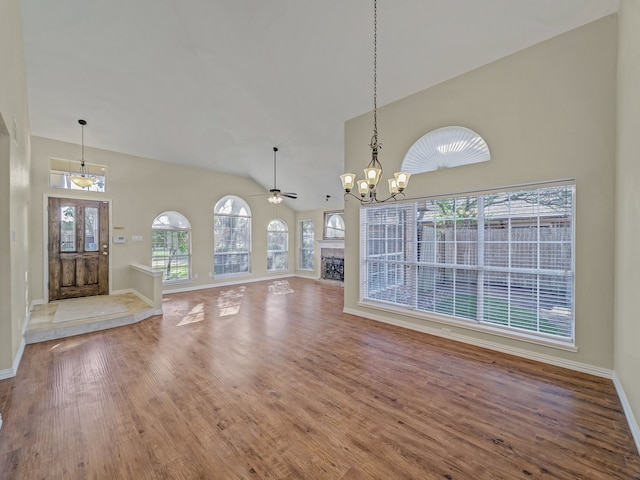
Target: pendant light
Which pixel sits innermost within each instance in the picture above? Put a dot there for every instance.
(373, 172)
(82, 178)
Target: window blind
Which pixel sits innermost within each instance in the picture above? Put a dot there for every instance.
(503, 259)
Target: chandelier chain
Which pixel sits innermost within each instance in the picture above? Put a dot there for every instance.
(374, 139)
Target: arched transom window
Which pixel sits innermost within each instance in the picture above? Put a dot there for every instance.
(445, 147)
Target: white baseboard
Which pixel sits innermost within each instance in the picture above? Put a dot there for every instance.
(308, 277)
(631, 420)
(11, 372)
(39, 301)
(519, 352)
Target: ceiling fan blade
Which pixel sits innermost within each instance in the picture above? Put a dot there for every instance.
(289, 194)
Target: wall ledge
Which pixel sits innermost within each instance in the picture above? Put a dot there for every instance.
(154, 272)
(240, 281)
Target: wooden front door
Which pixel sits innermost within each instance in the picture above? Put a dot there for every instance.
(78, 248)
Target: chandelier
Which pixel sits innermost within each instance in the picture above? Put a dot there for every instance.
(372, 174)
(82, 178)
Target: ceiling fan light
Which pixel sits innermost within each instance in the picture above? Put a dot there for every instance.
(275, 199)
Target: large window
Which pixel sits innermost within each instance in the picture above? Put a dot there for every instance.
(277, 246)
(306, 245)
(501, 259)
(171, 246)
(231, 236)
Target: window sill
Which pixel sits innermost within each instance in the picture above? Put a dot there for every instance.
(176, 282)
(232, 275)
(474, 326)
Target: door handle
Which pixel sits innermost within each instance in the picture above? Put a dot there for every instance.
(105, 253)
(105, 246)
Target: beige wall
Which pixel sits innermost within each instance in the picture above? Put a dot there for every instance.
(139, 189)
(547, 112)
(627, 208)
(14, 186)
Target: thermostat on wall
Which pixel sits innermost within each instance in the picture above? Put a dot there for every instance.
(119, 239)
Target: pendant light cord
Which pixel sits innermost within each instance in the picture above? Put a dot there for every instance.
(82, 129)
(275, 149)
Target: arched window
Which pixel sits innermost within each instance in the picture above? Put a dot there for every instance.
(231, 236)
(334, 225)
(171, 246)
(445, 147)
(277, 246)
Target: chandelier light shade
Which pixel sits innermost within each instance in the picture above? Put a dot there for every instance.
(82, 178)
(368, 188)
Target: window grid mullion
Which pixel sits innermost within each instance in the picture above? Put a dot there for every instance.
(522, 282)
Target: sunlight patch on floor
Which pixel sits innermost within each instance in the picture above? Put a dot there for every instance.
(195, 315)
(280, 287)
(229, 301)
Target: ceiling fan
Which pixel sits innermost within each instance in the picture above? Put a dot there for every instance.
(275, 194)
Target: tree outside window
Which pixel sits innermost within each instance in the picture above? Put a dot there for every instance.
(307, 239)
(231, 236)
(277, 246)
(171, 246)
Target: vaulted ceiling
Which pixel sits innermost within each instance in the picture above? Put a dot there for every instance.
(217, 83)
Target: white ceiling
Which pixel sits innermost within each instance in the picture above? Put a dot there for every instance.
(217, 83)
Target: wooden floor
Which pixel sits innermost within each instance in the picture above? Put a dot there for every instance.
(272, 381)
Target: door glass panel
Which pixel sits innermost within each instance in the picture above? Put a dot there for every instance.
(67, 228)
(91, 229)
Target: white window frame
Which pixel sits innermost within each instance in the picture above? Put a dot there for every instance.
(277, 246)
(171, 228)
(402, 271)
(305, 250)
(241, 256)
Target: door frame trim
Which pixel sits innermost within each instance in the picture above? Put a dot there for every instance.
(45, 234)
